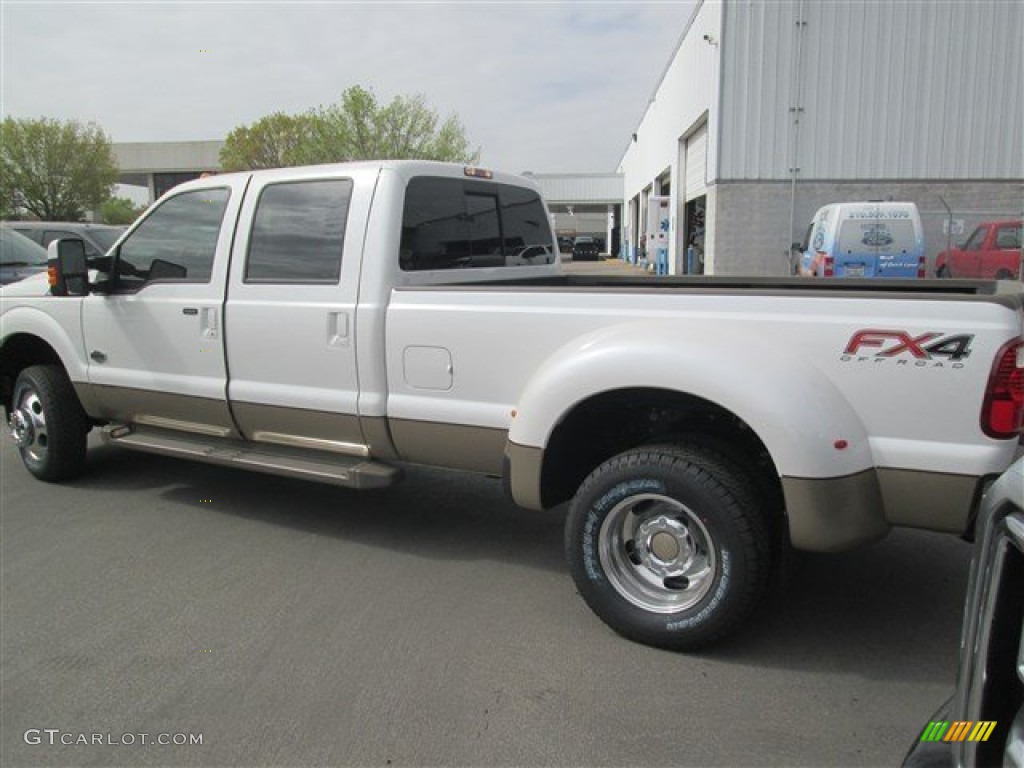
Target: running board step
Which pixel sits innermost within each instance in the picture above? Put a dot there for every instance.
(349, 472)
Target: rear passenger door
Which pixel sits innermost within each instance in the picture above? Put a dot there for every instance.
(290, 321)
(967, 260)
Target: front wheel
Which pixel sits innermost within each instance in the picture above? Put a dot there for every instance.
(47, 423)
(668, 545)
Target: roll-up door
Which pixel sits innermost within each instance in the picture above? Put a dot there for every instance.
(697, 163)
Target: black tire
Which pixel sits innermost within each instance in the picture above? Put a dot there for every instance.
(48, 423)
(943, 271)
(1005, 274)
(668, 545)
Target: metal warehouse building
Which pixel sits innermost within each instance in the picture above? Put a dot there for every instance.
(769, 110)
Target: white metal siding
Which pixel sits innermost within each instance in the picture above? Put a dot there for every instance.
(893, 90)
(758, 43)
(580, 188)
(697, 163)
(145, 157)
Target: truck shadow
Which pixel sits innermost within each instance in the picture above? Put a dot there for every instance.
(431, 513)
(899, 602)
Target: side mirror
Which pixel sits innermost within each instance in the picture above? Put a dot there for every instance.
(66, 267)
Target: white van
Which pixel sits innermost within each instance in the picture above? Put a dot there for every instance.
(870, 239)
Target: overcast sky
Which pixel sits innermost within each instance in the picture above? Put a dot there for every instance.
(545, 87)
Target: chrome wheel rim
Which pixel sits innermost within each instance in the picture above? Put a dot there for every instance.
(28, 426)
(657, 553)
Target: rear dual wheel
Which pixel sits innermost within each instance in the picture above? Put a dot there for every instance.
(668, 545)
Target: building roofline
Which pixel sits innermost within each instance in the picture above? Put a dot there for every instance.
(664, 74)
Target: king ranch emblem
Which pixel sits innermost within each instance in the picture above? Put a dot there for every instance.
(926, 350)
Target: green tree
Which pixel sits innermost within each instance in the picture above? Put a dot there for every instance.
(55, 169)
(270, 142)
(120, 210)
(356, 128)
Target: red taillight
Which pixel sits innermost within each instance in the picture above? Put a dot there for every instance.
(1002, 413)
(828, 265)
(921, 263)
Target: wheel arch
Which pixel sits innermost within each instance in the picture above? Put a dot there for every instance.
(608, 423)
(19, 351)
(33, 337)
(634, 384)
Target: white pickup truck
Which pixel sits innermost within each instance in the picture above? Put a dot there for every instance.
(335, 322)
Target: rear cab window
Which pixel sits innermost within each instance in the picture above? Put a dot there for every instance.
(464, 224)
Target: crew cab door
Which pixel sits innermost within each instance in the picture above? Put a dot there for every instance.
(155, 340)
(967, 260)
(291, 310)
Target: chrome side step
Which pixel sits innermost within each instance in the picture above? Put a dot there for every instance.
(307, 465)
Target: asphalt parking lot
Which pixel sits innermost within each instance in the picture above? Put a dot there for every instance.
(428, 624)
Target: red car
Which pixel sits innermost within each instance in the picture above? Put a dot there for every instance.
(992, 251)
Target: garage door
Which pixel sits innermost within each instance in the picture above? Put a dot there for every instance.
(697, 163)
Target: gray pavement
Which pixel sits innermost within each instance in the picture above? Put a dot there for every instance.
(428, 624)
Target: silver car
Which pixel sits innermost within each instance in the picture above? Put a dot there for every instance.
(19, 256)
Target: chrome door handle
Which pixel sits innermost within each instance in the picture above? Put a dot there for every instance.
(208, 323)
(337, 329)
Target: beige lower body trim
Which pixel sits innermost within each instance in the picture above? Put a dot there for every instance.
(301, 428)
(835, 514)
(454, 446)
(524, 465)
(87, 397)
(184, 413)
(842, 513)
(378, 437)
(930, 500)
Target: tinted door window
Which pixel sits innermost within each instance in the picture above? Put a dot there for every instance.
(451, 224)
(298, 232)
(177, 242)
(105, 238)
(976, 240)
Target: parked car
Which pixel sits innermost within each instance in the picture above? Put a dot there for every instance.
(585, 249)
(992, 251)
(983, 723)
(19, 256)
(864, 240)
(98, 238)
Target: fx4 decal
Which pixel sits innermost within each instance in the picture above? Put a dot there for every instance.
(925, 350)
